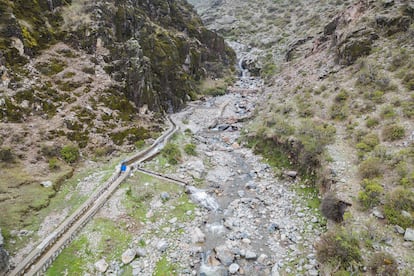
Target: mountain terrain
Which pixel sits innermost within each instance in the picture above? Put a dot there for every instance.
(339, 105)
(319, 120)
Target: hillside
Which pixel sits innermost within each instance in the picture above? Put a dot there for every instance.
(339, 104)
(84, 81)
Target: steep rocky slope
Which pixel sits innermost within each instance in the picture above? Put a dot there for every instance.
(85, 79)
(340, 106)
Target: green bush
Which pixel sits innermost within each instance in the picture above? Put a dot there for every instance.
(388, 112)
(383, 264)
(371, 193)
(367, 144)
(393, 132)
(399, 200)
(370, 168)
(372, 122)
(70, 153)
(338, 248)
(172, 153)
(6, 155)
(190, 149)
(53, 163)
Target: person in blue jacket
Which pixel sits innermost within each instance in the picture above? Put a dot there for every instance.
(123, 167)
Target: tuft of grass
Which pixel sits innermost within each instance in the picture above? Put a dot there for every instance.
(393, 132)
(172, 153)
(190, 149)
(165, 267)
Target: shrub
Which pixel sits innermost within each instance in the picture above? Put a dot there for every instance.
(383, 264)
(6, 155)
(370, 168)
(190, 149)
(370, 195)
(393, 132)
(376, 96)
(367, 144)
(139, 144)
(339, 111)
(342, 96)
(53, 163)
(399, 200)
(388, 112)
(70, 153)
(338, 248)
(172, 153)
(371, 122)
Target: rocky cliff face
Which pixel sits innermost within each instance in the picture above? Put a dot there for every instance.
(157, 49)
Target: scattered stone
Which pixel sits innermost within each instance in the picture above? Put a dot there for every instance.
(406, 214)
(101, 265)
(262, 259)
(1, 239)
(47, 184)
(399, 229)
(233, 268)
(409, 234)
(141, 252)
(128, 256)
(250, 255)
(292, 174)
(165, 196)
(225, 256)
(162, 245)
(378, 214)
(197, 236)
(275, 270)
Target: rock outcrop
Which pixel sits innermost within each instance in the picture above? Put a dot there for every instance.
(157, 50)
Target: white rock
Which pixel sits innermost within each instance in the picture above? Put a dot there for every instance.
(162, 245)
(128, 256)
(46, 184)
(141, 252)
(233, 268)
(275, 270)
(250, 255)
(197, 236)
(399, 229)
(409, 234)
(101, 265)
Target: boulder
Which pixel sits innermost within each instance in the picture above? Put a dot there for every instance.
(141, 252)
(128, 256)
(233, 268)
(250, 255)
(409, 234)
(101, 265)
(162, 245)
(197, 236)
(224, 254)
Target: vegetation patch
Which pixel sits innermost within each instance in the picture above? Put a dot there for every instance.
(53, 67)
(397, 201)
(172, 152)
(370, 195)
(70, 153)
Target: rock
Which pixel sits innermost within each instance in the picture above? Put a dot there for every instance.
(165, 196)
(202, 198)
(250, 255)
(101, 265)
(225, 256)
(391, 25)
(141, 252)
(399, 229)
(212, 270)
(275, 270)
(273, 227)
(292, 174)
(377, 213)
(1, 239)
(262, 259)
(162, 245)
(128, 256)
(233, 268)
(197, 236)
(409, 234)
(406, 214)
(46, 184)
